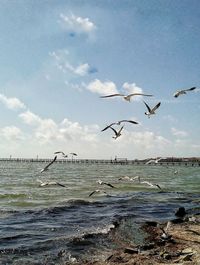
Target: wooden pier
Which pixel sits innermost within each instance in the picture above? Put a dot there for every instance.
(103, 161)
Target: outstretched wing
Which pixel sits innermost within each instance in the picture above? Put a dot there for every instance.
(112, 95)
(139, 94)
(156, 106)
(92, 193)
(108, 126)
(108, 184)
(190, 89)
(59, 152)
(149, 109)
(134, 122)
(114, 130)
(45, 168)
(59, 184)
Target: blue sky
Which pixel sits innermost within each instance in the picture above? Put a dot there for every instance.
(59, 57)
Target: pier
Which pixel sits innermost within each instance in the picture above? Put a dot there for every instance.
(136, 162)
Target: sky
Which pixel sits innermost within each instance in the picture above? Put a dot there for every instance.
(59, 57)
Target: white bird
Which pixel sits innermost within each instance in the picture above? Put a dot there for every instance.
(154, 160)
(182, 92)
(97, 191)
(50, 183)
(150, 184)
(129, 179)
(126, 97)
(118, 123)
(151, 111)
(165, 235)
(47, 166)
(100, 182)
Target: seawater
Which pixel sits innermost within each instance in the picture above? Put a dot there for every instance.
(52, 224)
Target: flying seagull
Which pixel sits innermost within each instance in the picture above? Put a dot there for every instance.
(49, 183)
(117, 133)
(126, 97)
(47, 166)
(118, 123)
(129, 178)
(182, 92)
(105, 183)
(97, 191)
(151, 111)
(154, 160)
(150, 184)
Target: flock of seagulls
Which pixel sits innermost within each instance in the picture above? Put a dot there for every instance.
(52, 183)
(99, 182)
(123, 178)
(117, 133)
(150, 110)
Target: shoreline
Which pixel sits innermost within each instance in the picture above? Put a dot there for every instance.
(181, 246)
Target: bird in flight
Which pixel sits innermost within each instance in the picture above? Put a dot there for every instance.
(126, 97)
(118, 123)
(129, 178)
(105, 183)
(150, 184)
(50, 183)
(155, 161)
(151, 111)
(47, 166)
(97, 191)
(183, 91)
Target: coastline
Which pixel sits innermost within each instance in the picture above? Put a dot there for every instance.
(182, 246)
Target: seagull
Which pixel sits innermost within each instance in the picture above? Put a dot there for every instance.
(126, 97)
(49, 183)
(118, 123)
(47, 166)
(117, 133)
(151, 111)
(150, 184)
(154, 161)
(183, 91)
(97, 191)
(105, 183)
(165, 236)
(129, 179)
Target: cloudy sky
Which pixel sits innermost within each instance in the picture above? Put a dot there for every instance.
(59, 57)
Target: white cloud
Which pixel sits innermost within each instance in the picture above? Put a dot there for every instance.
(12, 103)
(102, 88)
(63, 64)
(11, 133)
(178, 133)
(30, 118)
(77, 24)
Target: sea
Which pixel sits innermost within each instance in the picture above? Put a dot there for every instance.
(53, 224)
